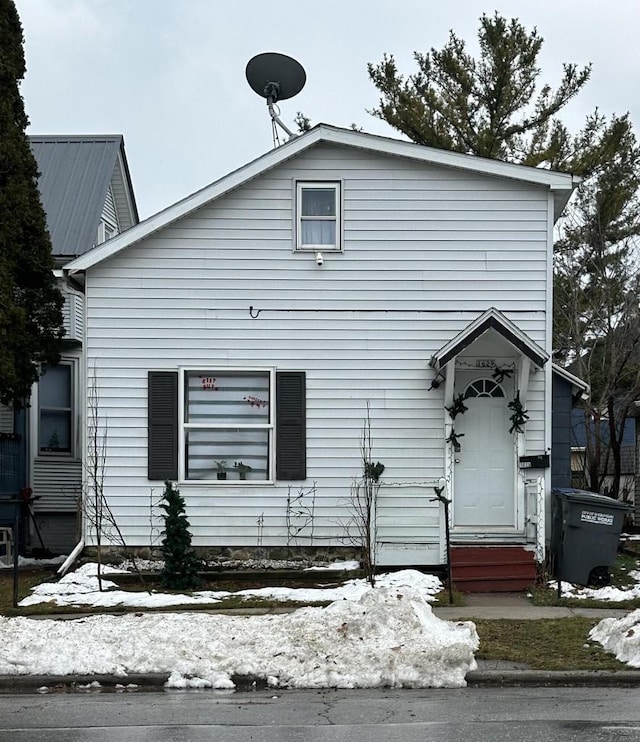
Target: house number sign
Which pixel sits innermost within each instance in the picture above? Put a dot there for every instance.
(485, 363)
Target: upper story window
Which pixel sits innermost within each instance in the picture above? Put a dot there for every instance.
(105, 232)
(55, 409)
(318, 216)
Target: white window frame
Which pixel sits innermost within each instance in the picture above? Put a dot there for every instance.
(184, 426)
(72, 363)
(106, 231)
(336, 186)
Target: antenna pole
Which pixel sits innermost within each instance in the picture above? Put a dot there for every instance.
(275, 118)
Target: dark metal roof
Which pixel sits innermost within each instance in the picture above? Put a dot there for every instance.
(75, 172)
(579, 437)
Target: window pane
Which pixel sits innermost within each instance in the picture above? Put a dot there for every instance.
(54, 388)
(318, 202)
(205, 448)
(227, 398)
(55, 431)
(318, 233)
(54, 398)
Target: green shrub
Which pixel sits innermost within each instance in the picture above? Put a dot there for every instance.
(181, 565)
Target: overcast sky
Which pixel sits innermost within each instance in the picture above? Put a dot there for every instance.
(170, 74)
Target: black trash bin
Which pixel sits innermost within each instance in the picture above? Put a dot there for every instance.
(585, 533)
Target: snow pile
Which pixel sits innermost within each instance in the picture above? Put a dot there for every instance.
(80, 588)
(620, 636)
(388, 637)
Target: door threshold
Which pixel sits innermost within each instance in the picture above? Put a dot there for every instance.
(476, 539)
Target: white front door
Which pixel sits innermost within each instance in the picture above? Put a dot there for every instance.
(484, 482)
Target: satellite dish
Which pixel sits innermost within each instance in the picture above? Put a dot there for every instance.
(275, 77)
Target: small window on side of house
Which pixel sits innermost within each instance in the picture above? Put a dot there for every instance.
(105, 232)
(318, 216)
(55, 410)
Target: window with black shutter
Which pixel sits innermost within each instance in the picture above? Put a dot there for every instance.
(228, 426)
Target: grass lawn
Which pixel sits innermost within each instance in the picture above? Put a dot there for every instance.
(547, 644)
(625, 563)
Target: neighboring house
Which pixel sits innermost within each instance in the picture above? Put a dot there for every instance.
(86, 192)
(627, 456)
(568, 390)
(255, 320)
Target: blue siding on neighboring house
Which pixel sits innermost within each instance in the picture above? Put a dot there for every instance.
(561, 433)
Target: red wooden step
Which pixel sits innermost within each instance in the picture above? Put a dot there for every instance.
(493, 568)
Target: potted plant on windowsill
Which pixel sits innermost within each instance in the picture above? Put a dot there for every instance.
(222, 469)
(242, 469)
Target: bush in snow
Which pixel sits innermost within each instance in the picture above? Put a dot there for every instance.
(181, 564)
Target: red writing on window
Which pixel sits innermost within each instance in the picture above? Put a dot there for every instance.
(255, 402)
(208, 383)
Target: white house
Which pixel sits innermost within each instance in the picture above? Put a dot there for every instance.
(255, 320)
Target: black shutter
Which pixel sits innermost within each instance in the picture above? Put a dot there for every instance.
(291, 433)
(163, 425)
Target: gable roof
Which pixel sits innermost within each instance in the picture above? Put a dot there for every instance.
(560, 184)
(75, 174)
(492, 319)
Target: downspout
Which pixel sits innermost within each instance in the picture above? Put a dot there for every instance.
(77, 550)
(79, 547)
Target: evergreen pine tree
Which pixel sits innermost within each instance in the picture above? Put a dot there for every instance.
(181, 564)
(488, 106)
(31, 304)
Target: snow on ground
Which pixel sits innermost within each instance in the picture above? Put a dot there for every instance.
(80, 588)
(27, 562)
(385, 636)
(608, 594)
(620, 636)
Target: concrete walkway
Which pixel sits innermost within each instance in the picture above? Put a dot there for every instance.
(516, 606)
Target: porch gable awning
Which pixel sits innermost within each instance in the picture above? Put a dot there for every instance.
(492, 319)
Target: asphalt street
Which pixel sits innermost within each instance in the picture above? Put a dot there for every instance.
(490, 715)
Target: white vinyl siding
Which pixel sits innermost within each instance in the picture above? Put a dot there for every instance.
(426, 250)
(108, 226)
